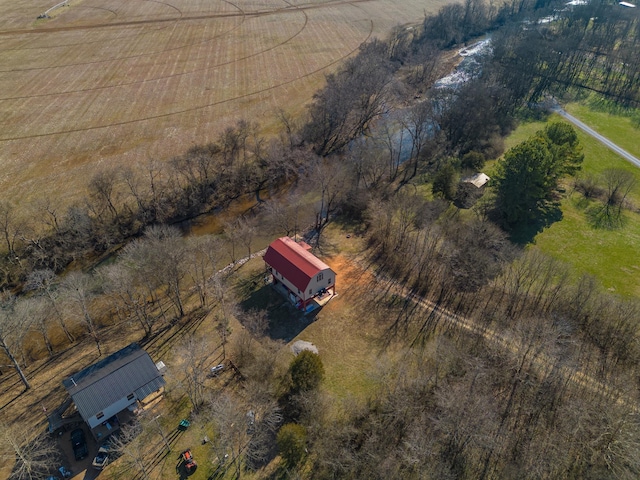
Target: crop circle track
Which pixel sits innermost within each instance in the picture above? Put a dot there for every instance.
(181, 111)
(158, 79)
(128, 57)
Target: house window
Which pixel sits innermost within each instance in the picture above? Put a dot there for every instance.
(99, 415)
(310, 291)
(329, 282)
(130, 396)
(298, 291)
(319, 277)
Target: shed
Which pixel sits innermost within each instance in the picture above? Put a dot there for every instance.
(478, 180)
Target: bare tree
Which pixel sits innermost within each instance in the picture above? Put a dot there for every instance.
(138, 258)
(420, 124)
(32, 455)
(250, 342)
(11, 333)
(11, 228)
(103, 193)
(238, 231)
(201, 259)
(242, 429)
(32, 314)
(193, 357)
(121, 282)
(247, 233)
(285, 216)
(77, 290)
(45, 282)
(135, 449)
(165, 257)
(329, 180)
(618, 186)
(367, 163)
(351, 100)
(390, 133)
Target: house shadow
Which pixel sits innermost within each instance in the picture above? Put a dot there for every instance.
(285, 321)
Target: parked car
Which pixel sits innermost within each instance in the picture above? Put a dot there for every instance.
(251, 422)
(101, 460)
(79, 443)
(216, 370)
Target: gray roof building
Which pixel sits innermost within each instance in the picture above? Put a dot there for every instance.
(107, 387)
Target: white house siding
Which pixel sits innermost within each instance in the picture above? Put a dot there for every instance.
(325, 279)
(110, 411)
(288, 284)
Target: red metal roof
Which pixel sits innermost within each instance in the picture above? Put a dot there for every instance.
(294, 262)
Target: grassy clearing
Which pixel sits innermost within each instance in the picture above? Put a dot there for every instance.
(609, 255)
(346, 334)
(599, 158)
(621, 130)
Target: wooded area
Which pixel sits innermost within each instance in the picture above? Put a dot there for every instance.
(512, 365)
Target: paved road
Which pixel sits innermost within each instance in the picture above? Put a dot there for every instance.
(604, 140)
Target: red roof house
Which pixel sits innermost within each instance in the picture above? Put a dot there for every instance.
(300, 272)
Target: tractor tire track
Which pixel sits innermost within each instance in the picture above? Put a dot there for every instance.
(199, 107)
(113, 12)
(116, 59)
(174, 75)
(74, 44)
(258, 13)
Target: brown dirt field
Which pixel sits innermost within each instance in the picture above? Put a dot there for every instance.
(113, 83)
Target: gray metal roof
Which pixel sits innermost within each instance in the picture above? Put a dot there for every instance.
(98, 386)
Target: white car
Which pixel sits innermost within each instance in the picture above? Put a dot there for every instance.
(101, 460)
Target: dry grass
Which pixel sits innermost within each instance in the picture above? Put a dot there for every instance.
(114, 83)
(347, 331)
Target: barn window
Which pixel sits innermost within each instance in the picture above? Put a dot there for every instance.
(319, 277)
(130, 396)
(99, 415)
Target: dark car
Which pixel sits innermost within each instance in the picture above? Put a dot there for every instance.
(79, 443)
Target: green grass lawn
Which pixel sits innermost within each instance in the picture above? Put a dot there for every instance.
(617, 128)
(612, 256)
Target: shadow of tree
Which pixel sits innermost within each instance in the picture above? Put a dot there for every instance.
(604, 217)
(524, 233)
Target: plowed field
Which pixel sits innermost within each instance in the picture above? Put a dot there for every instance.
(118, 82)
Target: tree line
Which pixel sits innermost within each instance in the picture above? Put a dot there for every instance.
(121, 203)
(372, 136)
